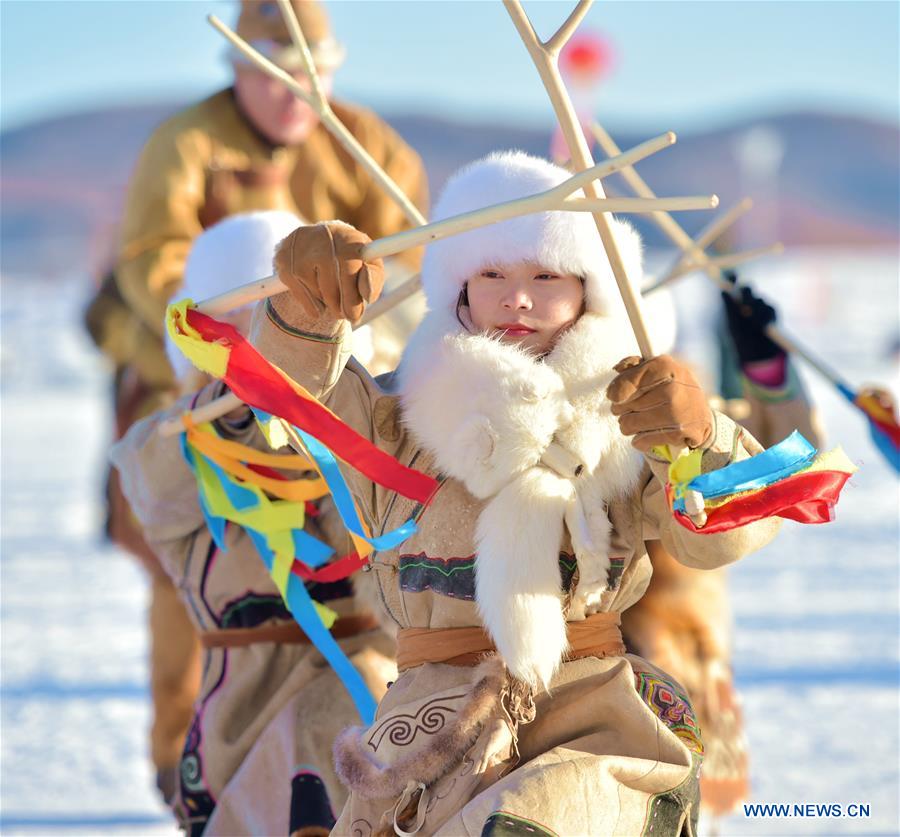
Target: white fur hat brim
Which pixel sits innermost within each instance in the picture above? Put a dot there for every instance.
(565, 242)
(235, 251)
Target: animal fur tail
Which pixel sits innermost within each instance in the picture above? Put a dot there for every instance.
(517, 582)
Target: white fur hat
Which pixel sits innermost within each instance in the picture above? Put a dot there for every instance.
(233, 252)
(566, 242)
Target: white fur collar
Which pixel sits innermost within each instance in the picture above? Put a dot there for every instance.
(487, 411)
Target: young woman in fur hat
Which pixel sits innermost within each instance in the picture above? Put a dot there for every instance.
(516, 709)
(257, 759)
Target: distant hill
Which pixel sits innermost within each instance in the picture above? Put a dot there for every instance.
(63, 179)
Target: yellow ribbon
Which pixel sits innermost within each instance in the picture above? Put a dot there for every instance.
(275, 519)
(211, 358)
(684, 467)
(230, 456)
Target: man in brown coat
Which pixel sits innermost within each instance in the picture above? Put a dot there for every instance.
(251, 146)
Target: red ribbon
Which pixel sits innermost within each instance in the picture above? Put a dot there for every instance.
(266, 471)
(335, 571)
(257, 383)
(881, 416)
(806, 498)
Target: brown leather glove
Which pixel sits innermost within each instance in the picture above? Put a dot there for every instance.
(323, 267)
(659, 402)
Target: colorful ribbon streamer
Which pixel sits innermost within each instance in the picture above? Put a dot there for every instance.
(280, 522)
(234, 481)
(201, 439)
(883, 426)
(273, 528)
(766, 468)
(788, 480)
(257, 467)
(221, 350)
(326, 464)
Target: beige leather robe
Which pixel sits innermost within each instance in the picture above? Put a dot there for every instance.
(257, 759)
(612, 749)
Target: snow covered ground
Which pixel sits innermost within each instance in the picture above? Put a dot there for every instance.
(817, 621)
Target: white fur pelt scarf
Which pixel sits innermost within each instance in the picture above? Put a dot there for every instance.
(488, 410)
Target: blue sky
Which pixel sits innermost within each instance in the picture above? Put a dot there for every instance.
(679, 64)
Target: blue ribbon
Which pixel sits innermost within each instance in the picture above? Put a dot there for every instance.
(878, 436)
(848, 393)
(885, 446)
(340, 492)
(777, 463)
(310, 550)
(343, 500)
(304, 612)
(216, 525)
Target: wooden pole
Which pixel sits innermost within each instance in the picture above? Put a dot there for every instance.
(545, 56)
(683, 241)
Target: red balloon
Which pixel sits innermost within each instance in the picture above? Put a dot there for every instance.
(588, 55)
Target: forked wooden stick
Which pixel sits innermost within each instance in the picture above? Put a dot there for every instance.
(309, 66)
(545, 56)
(682, 240)
(693, 250)
(552, 199)
(546, 60)
(722, 222)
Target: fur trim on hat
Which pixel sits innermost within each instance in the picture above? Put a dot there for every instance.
(233, 252)
(565, 242)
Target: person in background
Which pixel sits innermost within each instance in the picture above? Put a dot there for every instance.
(267, 702)
(252, 146)
(683, 623)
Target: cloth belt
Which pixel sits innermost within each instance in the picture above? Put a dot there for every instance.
(285, 633)
(596, 636)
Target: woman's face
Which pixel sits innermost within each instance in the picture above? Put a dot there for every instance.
(524, 303)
